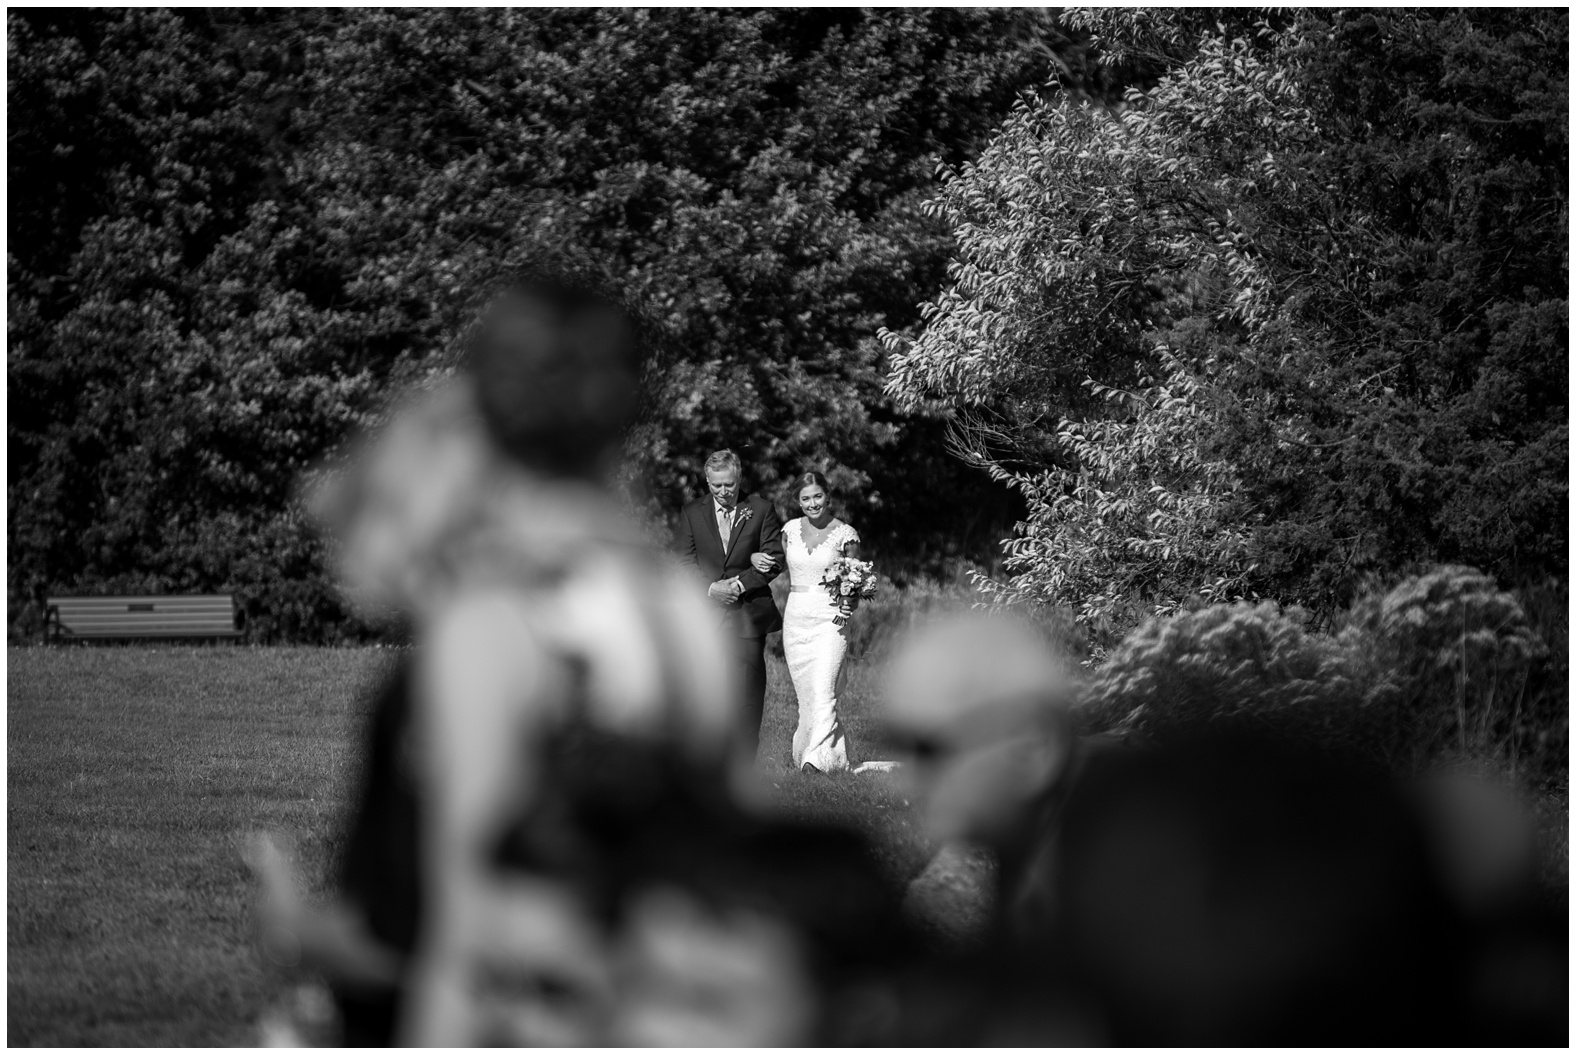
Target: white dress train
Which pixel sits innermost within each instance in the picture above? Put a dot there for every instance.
(814, 647)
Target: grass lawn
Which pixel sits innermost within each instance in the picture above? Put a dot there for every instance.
(134, 772)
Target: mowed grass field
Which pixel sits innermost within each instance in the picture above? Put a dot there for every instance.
(134, 773)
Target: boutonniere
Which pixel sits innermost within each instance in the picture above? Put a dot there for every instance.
(745, 513)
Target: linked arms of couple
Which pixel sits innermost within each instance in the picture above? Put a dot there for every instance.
(765, 563)
(731, 590)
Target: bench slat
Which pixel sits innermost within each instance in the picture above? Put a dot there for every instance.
(213, 613)
(149, 632)
(141, 606)
(101, 625)
(222, 598)
(92, 603)
(156, 613)
(131, 625)
(143, 609)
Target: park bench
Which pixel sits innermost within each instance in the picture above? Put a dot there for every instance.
(108, 618)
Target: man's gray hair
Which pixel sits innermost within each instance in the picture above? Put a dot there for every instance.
(720, 460)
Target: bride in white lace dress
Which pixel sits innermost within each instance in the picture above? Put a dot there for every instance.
(813, 644)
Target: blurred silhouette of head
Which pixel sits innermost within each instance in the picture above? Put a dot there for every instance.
(550, 382)
(557, 372)
(980, 703)
(1233, 891)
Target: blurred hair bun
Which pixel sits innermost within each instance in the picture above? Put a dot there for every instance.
(557, 374)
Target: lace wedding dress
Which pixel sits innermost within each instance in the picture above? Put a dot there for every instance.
(814, 647)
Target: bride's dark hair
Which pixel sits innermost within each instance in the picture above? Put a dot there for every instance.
(804, 480)
(557, 371)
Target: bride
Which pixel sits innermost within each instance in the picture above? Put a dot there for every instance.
(813, 644)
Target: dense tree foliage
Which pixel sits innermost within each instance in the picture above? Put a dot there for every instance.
(232, 233)
(1291, 317)
(1240, 303)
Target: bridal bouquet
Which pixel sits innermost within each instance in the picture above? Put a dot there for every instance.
(843, 579)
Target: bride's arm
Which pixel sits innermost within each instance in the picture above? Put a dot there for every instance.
(850, 546)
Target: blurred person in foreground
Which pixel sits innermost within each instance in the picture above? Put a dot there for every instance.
(979, 705)
(1484, 844)
(477, 515)
(553, 619)
(1224, 889)
(1232, 888)
(552, 778)
(387, 509)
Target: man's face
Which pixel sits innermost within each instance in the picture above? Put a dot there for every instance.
(724, 485)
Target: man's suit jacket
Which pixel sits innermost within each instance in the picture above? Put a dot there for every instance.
(701, 546)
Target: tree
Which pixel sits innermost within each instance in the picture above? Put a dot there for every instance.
(1291, 318)
(143, 438)
(245, 229)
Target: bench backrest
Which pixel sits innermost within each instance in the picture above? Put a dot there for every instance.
(192, 615)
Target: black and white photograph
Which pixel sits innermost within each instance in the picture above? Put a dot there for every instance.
(787, 527)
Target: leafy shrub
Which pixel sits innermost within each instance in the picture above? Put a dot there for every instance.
(1254, 664)
(1441, 666)
(1456, 656)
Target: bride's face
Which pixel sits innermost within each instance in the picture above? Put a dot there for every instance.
(812, 501)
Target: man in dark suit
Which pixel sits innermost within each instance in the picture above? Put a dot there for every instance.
(716, 535)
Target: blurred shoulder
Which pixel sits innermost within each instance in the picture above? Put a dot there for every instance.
(482, 615)
(483, 643)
